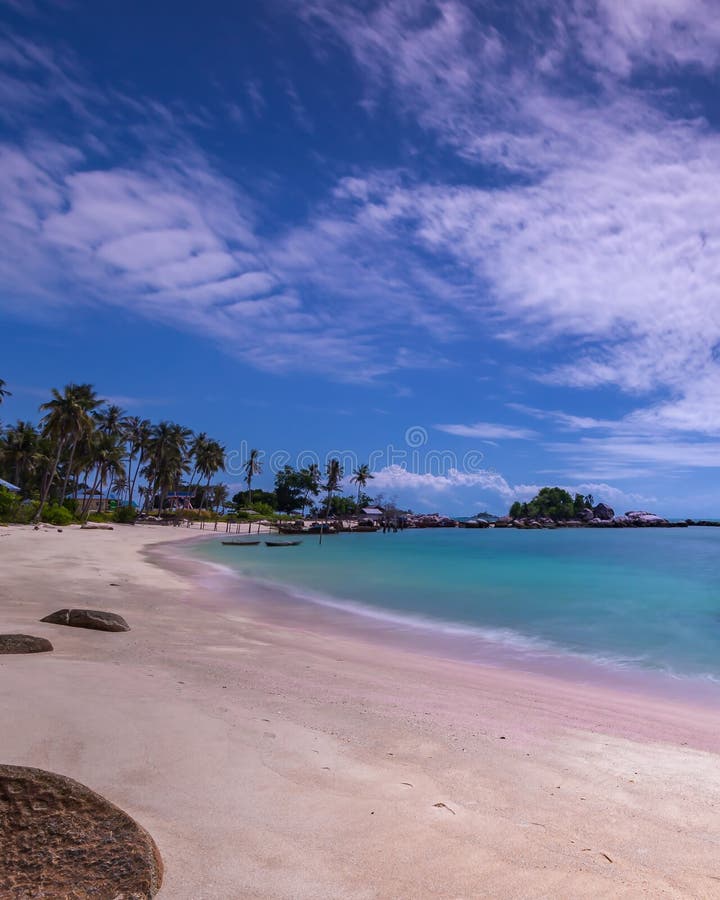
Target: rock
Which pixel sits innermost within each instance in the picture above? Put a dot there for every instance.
(24, 643)
(603, 512)
(585, 515)
(637, 517)
(96, 526)
(88, 618)
(60, 839)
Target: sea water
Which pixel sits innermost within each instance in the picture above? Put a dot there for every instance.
(638, 598)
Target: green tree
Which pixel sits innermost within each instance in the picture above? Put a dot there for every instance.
(360, 477)
(289, 489)
(550, 502)
(219, 495)
(311, 483)
(21, 454)
(241, 500)
(252, 467)
(167, 459)
(209, 460)
(67, 418)
(333, 474)
(137, 433)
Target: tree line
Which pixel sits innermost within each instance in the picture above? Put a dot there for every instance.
(84, 450)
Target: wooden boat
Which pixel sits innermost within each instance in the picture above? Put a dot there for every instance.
(282, 543)
(240, 543)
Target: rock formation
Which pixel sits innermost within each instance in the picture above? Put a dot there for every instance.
(24, 643)
(60, 839)
(88, 618)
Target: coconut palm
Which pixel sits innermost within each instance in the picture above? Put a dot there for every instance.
(137, 437)
(209, 461)
(334, 474)
(67, 418)
(108, 452)
(198, 449)
(110, 419)
(360, 477)
(311, 480)
(167, 458)
(4, 392)
(252, 467)
(219, 495)
(21, 452)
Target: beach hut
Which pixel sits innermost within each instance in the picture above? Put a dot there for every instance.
(374, 513)
(9, 487)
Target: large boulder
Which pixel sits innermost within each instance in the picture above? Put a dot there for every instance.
(88, 618)
(60, 839)
(603, 512)
(638, 517)
(585, 515)
(24, 643)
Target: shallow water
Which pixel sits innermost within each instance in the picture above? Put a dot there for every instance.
(641, 599)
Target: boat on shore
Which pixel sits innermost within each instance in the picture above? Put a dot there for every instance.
(240, 543)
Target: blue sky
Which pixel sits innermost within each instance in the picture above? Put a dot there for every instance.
(477, 244)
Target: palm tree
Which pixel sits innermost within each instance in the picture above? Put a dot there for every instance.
(167, 458)
(108, 452)
(210, 461)
(360, 477)
(21, 452)
(198, 449)
(110, 420)
(252, 467)
(220, 495)
(334, 474)
(137, 436)
(4, 392)
(67, 418)
(311, 478)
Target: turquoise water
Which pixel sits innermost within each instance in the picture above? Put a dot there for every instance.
(648, 599)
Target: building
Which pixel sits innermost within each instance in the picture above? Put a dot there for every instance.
(374, 513)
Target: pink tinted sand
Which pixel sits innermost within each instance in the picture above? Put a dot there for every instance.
(286, 760)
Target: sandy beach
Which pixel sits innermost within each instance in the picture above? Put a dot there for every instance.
(271, 761)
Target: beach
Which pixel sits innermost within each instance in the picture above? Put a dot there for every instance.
(270, 760)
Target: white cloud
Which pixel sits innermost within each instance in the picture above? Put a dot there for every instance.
(431, 488)
(488, 430)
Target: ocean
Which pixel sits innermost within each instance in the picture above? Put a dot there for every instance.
(632, 599)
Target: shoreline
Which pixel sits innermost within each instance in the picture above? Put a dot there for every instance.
(274, 761)
(505, 649)
(278, 605)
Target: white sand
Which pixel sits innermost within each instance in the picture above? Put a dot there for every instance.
(276, 763)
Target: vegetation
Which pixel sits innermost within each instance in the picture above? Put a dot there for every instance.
(86, 459)
(84, 451)
(552, 503)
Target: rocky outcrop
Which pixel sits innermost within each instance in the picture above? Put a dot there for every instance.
(88, 618)
(24, 643)
(60, 839)
(638, 517)
(603, 512)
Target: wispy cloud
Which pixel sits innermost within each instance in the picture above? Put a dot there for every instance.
(489, 431)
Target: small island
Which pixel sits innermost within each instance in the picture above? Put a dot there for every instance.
(554, 507)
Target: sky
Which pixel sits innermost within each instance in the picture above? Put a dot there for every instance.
(475, 244)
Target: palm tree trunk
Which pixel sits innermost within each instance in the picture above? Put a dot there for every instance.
(134, 478)
(69, 469)
(48, 485)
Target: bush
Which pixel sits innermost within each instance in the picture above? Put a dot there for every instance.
(57, 515)
(71, 504)
(125, 515)
(8, 505)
